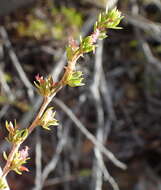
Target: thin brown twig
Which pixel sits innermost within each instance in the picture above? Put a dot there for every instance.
(16, 62)
(90, 136)
(38, 163)
(46, 102)
(16, 146)
(101, 134)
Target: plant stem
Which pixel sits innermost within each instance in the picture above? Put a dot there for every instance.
(6, 169)
(15, 147)
(69, 69)
(46, 101)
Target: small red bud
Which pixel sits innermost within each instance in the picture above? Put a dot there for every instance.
(23, 168)
(39, 78)
(73, 43)
(54, 84)
(95, 36)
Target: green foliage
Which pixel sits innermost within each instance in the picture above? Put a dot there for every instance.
(7, 77)
(2, 184)
(48, 119)
(85, 172)
(19, 159)
(87, 45)
(72, 49)
(65, 22)
(36, 28)
(23, 106)
(133, 43)
(57, 31)
(73, 17)
(110, 19)
(46, 87)
(75, 79)
(70, 53)
(106, 20)
(15, 135)
(57, 25)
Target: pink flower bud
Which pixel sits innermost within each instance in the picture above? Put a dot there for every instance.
(54, 84)
(24, 153)
(73, 43)
(95, 36)
(39, 78)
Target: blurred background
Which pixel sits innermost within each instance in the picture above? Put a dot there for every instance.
(120, 105)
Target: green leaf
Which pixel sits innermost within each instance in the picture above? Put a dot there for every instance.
(75, 79)
(2, 184)
(110, 19)
(23, 134)
(17, 171)
(48, 119)
(87, 45)
(102, 35)
(5, 155)
(69, 53)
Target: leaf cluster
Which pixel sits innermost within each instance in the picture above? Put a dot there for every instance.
(48, 119)
(15, 135)
(46, 87)
(2, 184)
(17, 162)
(75, 79)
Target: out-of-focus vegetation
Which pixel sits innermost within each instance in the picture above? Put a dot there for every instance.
(23, 106)
(51, 22)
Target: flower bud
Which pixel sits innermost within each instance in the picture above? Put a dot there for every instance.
(15, 135)
(47, 86)
(48, 119)
(19, 159)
